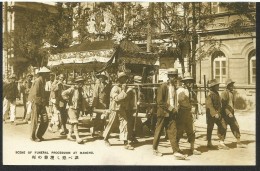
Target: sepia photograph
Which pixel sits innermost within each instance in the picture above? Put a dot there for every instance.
(129, 83)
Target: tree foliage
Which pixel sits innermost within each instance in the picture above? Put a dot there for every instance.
(28, 39)
(246, 16)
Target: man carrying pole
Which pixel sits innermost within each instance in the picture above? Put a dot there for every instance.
(228, 99)
(132, 108)
(118, 96)
(185, 119)
(213, 112)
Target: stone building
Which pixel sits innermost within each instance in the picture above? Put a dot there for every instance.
(234, 56)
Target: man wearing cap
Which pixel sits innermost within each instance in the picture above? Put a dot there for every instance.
(25, 89)
(118, 96)
(10, 94)
(213, 114)
(185, 118)
(57, 87)
(100, 101)
(75, 98)
(39, 101)
(166, 114)
(228, 99)
(131, 108)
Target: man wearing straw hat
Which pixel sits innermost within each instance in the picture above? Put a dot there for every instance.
(213, 114)
(185, 118)
(228, 99)
(118, 96)
(39, 101)
(75, 98)
(166, 114)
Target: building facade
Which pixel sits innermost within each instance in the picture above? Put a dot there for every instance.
(233, 56)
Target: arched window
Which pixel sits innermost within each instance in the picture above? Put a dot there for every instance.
(219, 66)
(252, 67)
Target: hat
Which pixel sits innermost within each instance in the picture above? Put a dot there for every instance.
(229, 81)
(79, 79)
(137, 79)
(121, 75)
(212, 83)
(12, 76)
(187, 76)
(102, 74)
(44, 70)
(172, 71)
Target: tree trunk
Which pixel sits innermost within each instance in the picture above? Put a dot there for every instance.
(149, 27)
(194, 41)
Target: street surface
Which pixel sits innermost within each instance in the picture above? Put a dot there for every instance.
(17, 145)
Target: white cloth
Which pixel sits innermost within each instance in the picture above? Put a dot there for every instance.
(48, 86)
(230, 100)
(171, 95)
(9, 106)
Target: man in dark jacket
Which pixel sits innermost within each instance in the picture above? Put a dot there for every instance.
(101, 100)
(166, 114)
(10, 94)
(39, 101)
(213, 114)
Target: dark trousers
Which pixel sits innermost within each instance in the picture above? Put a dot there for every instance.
(233, 125)
(40, 115)
(170, 126)
(220, 122)
(98, 123)
(185, 123)
(130, 125)
(63, 116)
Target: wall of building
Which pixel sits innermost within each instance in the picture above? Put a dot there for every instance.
(236, 50)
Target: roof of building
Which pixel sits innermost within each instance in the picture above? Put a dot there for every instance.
(90, 46)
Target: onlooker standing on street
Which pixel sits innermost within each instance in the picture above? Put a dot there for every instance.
(228, 99)
(213, 114)
(27, 84)
(185, 118)
(10, 93)
(48, 85)
(75, 98)
(58, 87)
(167, 113)
(39, 101)
(118, 96)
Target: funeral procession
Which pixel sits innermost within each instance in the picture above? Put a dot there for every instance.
(129, 83)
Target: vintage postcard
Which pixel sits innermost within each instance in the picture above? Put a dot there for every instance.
(129, 83)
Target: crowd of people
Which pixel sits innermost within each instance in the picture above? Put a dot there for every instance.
(49, 101)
